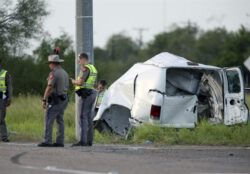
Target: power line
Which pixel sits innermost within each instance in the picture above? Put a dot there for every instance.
(140, 35)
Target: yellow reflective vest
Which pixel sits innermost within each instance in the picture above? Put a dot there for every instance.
(90, 82)
(3, 86)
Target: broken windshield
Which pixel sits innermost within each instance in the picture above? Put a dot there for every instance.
(233, 82)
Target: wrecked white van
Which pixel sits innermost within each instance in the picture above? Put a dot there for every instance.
(172, 91)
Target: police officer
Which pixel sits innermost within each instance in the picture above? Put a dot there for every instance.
(55, 101)
(84, 87)
(5, 100)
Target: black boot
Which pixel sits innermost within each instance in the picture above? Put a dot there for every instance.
(5, 140)
(58, 145)
(80, 143)
(43, 144)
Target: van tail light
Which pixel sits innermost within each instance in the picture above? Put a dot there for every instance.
(155, 112)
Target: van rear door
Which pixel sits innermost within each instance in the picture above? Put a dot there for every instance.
(235, 109)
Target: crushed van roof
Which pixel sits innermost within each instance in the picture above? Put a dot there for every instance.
(165, 60)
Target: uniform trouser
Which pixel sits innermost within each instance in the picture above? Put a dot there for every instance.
(3, 128)
(85, 111)
(55, 112)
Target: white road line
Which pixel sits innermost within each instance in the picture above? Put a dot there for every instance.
(55, 169)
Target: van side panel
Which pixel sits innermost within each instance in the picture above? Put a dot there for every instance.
(179, 111)
(146, 87)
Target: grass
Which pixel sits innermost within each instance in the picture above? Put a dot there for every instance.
(203, 134)
(25, 121)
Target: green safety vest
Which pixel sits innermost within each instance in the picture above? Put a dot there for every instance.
(3, 86)
(90, 82)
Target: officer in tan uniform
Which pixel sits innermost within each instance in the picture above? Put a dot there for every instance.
(55, 101)
(5, 100)
(84, 87)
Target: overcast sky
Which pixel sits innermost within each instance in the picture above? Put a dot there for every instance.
(126, 16)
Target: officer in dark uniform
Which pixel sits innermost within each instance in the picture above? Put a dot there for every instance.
(55, 101)
(84, 87)
(5, 100)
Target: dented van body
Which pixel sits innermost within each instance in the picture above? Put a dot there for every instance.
(172, 91)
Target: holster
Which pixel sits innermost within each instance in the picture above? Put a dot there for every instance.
(55, 99)
(84, 93)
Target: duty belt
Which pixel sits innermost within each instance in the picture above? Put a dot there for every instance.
(63, 97)
(55, 99)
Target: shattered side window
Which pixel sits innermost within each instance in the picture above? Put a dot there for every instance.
(180, 81)
(233, 81)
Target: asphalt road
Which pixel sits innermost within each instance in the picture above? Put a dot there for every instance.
(117, 159)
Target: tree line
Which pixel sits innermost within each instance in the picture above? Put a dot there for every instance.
(29, 72)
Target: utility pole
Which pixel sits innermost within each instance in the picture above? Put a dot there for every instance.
(84, 42)
(164, 14)
(140, 37)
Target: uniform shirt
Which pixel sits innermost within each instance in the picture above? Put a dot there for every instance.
(8, 83)
(59, 80)
(84, 73)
